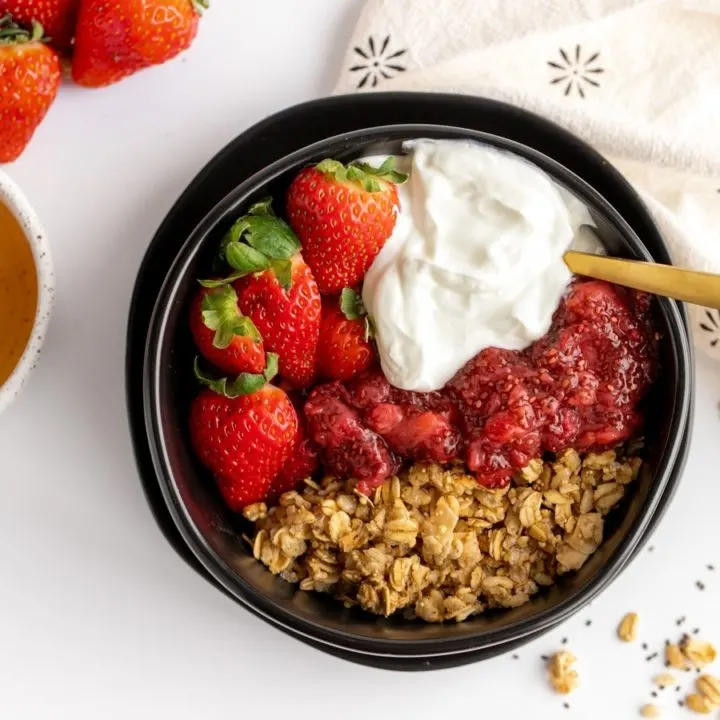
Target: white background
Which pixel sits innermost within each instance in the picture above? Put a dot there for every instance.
(99, 619)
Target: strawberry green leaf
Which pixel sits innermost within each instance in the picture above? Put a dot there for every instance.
(355, 174)
(200, 6)
(272, 365)
(220, 313)
(351, 304)
(244, 259)
(282, 270)
(364, 175)
(222, 282)
(248, 383)
(332, 167)
(262, 207)
(269, 235)
(386, 171)
(13, 34)
(243, 384)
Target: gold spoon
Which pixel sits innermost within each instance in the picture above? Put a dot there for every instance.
(699, 288)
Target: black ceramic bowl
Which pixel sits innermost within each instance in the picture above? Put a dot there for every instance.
(214, 534)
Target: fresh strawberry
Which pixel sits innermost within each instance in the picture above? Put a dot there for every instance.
(29, 81)
(243, 431)
(289, 320)
(116, 38)
(57, 18)
(343, 216)
(344, 349)
(302, 463)
(276, 290)
(224, 336)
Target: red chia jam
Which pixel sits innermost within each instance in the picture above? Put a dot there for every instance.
(579, 386)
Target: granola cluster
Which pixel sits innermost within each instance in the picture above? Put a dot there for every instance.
(435, 544)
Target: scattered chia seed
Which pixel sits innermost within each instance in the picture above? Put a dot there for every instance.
(644, 646)
(667, 663)
(667, 642)
(711, 568)
(653, 694)
(698, 670)
(564, 641)
(681, 703)
(680, 621)
(700, 585)
(566, 705)
(651, 548)
(515, 657)
(696, 631)
(678, 689)
(651, 657)
(588, 623)
(544, 658)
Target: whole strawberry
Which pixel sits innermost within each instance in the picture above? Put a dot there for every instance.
(243, 431)
(57, 18)
(224, 336)
(29, 81)
(343, 216)
(116, 38)
(276, 289)
(345, 349)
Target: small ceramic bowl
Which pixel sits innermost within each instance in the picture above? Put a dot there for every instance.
(12, 197)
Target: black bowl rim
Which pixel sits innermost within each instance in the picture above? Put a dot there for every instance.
(307, 628)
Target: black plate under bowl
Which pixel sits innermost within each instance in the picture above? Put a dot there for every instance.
(213, 534)
(299, 126)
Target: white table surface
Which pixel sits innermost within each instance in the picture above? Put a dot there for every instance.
(99, 619)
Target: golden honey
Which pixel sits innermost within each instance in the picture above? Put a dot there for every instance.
(18, 292)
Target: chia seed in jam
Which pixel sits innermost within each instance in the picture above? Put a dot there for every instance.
(580, 386)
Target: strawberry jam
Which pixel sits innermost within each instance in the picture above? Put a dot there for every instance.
(366, 426)
(579, 386)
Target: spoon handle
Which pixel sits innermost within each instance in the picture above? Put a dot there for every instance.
(694, 287)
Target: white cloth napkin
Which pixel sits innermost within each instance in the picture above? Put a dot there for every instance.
(637, 79)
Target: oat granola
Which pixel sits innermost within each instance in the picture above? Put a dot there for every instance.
(434, 544)
(709, 686)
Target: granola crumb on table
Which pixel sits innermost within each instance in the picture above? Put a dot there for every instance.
(665, 680)
(433, 543)
(709, 686)
(698, 704)
(627, 630)
(563, 677)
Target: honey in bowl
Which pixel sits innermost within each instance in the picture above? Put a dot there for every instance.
(18, 292)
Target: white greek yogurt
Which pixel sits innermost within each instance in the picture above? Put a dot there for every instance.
(475, 260)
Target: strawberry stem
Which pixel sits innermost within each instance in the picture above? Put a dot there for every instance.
(13, 34)
(200, 5)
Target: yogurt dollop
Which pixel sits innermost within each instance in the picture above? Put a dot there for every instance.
(475, 260)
